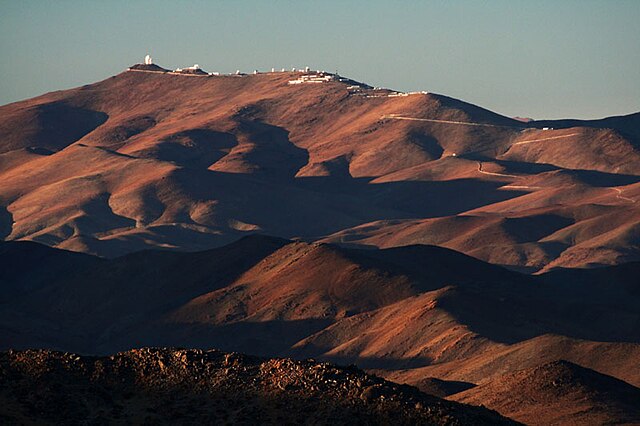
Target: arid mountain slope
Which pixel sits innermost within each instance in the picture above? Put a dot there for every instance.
(410, 313)
(165, 386)
(158, 160)
(558, 393)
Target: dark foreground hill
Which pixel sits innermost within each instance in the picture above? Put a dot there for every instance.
(170, 386)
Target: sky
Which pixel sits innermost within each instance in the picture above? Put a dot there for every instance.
(539, 59)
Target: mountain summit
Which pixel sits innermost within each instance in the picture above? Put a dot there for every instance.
(305, 214)
(152, 158)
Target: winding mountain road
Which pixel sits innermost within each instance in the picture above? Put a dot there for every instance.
(429, 120)
(544, 139)
(492, 173)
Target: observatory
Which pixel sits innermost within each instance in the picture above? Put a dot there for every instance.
(147, 66)
(194, 70)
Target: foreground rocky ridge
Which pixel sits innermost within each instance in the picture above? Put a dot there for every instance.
(169, 386)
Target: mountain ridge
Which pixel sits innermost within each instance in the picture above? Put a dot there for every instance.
(420, 315)
(143, 160)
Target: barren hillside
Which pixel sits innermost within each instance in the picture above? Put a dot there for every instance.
(160, 160)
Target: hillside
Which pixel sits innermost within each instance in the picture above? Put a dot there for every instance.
(165, 386)
(148, 159)
(410, 314)
(558, 393)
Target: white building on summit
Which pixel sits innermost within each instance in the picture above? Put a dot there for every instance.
(194, 70)
(147, 66)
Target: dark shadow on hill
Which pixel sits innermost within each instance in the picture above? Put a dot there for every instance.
(59, 124)
(411, 199)
(82, 295)
(27, 266)
(264, 338)
(533, 228)
(365, 362)
(117, 136)
(192, 148)
(523, 167)
(431, 267)
(39, 151)
(316, 206)
(427, 144)
(442, 388)
(6, 222)
(273, 155)
(590, 177)
(627, 125)
(603, 179)
(265, 149)
(620, 282)
(509, 315)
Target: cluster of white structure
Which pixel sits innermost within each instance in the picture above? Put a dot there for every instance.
(306, 76)
(310, 77)
(381, 92)
(399, 94)
(193, 68)
(317, 77)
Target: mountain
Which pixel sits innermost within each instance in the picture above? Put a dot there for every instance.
(428, 240)
(422, 315)
(559, 392)
(165, 386)
(155, 159)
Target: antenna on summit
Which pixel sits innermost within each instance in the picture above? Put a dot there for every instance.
(148, 60)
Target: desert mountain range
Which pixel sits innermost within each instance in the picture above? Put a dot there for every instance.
(158, 160)
(295, 215)
(421, 315)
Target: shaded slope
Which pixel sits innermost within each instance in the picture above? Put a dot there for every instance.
(404, 307)
(93, 301)
(30, 266)
(628, 124)
(411, 313)
(51, 126)
(559, 392)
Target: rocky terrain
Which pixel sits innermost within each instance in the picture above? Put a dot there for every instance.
(177, 386)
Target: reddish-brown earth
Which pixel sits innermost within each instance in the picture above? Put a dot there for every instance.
(368, 193)
(410, 314)
(559, 392)
(157, 160)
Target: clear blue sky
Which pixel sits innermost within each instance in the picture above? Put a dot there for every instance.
(542, 59)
